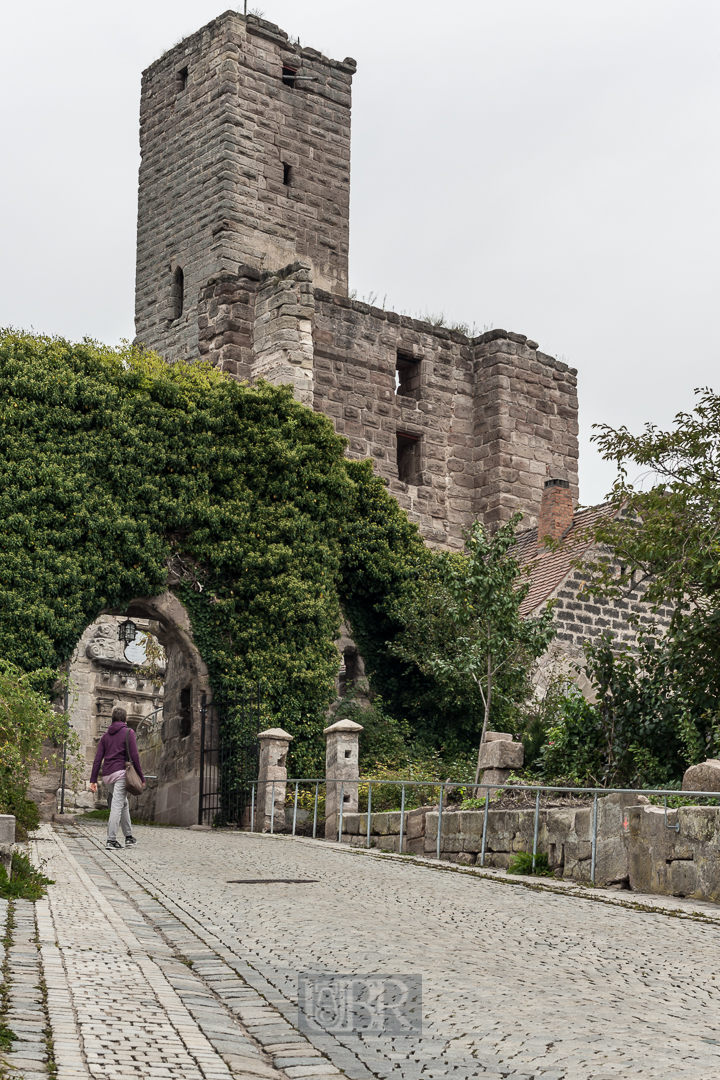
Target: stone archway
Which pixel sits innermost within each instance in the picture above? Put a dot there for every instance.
(170, 751)
(166, 718)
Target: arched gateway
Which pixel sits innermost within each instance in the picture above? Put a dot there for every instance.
(223, 514)
(170, 750)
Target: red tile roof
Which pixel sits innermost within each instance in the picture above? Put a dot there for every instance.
(546, 568)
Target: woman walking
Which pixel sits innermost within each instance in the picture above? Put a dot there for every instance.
(117, 745)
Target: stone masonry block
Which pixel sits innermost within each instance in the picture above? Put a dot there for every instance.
(703, 777)
(500, 754)
(7, 829)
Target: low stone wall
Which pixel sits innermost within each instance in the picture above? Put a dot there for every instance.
(635, 847)
(682, 863)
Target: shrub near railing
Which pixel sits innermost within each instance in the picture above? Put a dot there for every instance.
(386, 781)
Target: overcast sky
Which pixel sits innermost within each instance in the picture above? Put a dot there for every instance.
(545, 166)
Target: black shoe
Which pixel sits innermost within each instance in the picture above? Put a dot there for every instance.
(129, 841)
(113, 845)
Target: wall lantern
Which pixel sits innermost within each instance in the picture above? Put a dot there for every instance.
(127, 631)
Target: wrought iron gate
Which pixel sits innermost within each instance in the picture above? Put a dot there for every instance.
(228, 758)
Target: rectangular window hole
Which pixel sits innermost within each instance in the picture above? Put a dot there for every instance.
(407, 375)
(288, 75)
(287, 174)
(408, 458)
(348, 671)
(182, 79)
(348, 753)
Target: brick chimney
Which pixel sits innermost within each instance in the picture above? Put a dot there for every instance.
(556, 510)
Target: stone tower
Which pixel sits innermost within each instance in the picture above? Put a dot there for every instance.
(245, 146)
(243, 261)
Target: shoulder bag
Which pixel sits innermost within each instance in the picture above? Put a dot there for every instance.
(133, 783)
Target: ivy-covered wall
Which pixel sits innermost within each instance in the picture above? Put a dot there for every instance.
(119, 474)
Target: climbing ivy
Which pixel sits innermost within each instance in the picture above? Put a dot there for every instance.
(119, 473)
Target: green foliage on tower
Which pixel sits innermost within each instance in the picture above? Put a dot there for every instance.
(116, 469)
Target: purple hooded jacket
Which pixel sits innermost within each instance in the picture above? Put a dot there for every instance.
(111, 748)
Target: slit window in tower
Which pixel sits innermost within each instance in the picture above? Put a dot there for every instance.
(182, 79)
(287, 174)
(178, 293)
(288, 76)
(408, 458)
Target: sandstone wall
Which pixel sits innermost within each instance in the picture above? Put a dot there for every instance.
(172, 750)
(459, 427)
(492, 417)
(636, 847)
(579, 618)
(526, 426)
(238, 167)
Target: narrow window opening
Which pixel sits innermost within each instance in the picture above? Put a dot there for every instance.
(407, 375)
(288, 75)
(346, 798)
(178, 293)
(182, 80)
(408, 458)
(185, 712)
(348, 671)
(348, 753)
(287, 174)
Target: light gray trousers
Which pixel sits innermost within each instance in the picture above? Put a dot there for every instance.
(119, 810)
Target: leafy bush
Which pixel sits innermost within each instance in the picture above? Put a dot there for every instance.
(572, 751)
(666, 539)
(25, 883)
(383, 738)
(640, 732)
(423, 769)
(27, 722)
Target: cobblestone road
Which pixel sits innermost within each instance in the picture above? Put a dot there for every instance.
(516, 982)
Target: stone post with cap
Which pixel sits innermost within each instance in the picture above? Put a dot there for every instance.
(341, 773)
(272, 779)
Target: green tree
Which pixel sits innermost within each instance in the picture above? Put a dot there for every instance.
(665, 541)
(638, 732)
(462, 624)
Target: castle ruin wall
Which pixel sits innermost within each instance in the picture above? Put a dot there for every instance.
(459, 427)
(243, 228)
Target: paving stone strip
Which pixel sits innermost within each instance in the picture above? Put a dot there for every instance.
(272, 1018)
(268, 1017)
(25, 1010)
(517, 982)
(148, 997)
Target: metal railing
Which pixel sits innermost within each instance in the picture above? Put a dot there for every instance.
(447, 785)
